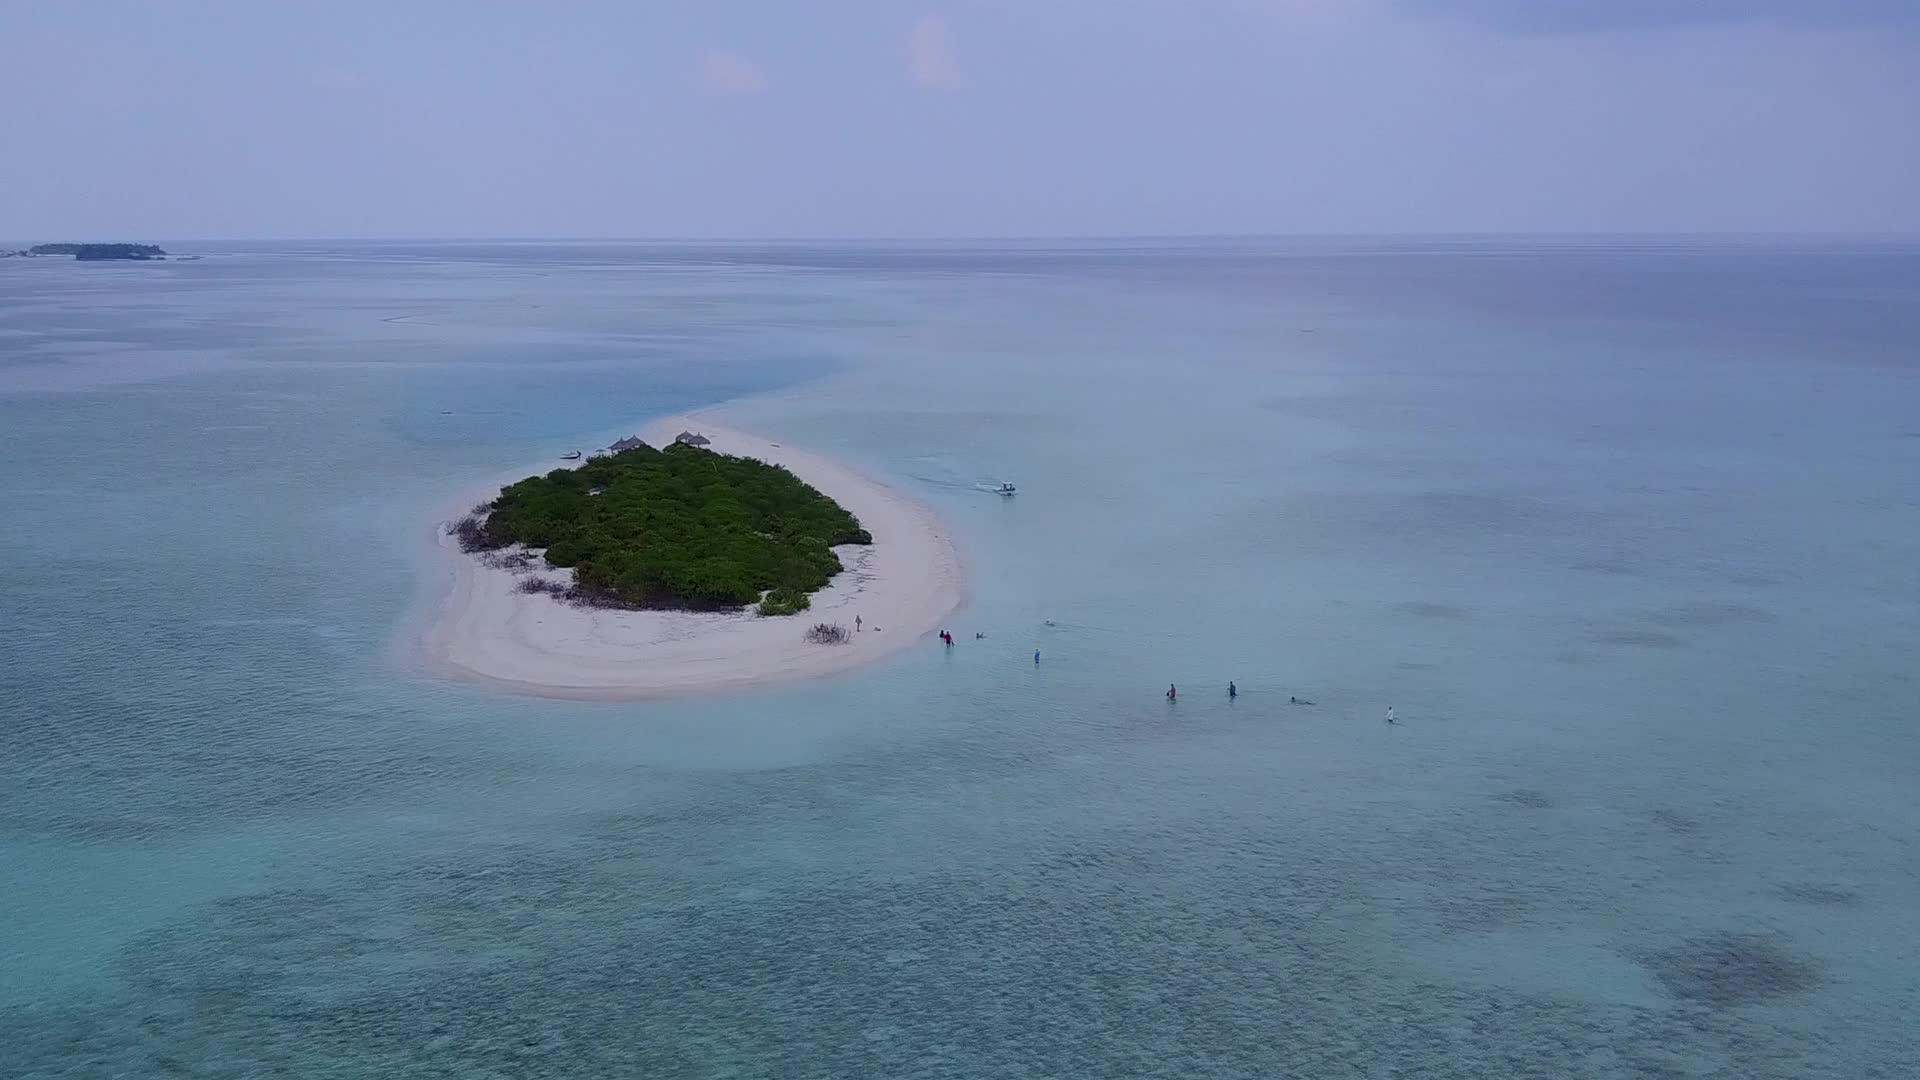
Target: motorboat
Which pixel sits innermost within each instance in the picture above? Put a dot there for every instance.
(572, 455)
(1005, 489)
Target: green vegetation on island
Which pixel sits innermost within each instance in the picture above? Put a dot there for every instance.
(681, 528)
(100, 251)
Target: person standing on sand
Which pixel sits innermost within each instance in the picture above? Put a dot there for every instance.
(1389, 714)
(856, 624)
(1036, 658)
(1172, 694)
(1232, 690)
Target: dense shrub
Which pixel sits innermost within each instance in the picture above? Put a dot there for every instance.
(784, 601)
(473, 536)
(675, 528)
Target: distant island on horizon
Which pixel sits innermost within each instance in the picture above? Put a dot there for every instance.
(95, 252)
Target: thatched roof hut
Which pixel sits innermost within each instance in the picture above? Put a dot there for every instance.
(688, 438)
(631, 442)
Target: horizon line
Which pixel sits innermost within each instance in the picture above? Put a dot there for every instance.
(934, 238)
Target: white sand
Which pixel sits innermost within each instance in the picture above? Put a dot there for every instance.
(902, 588)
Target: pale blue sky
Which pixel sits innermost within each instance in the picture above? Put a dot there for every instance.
(877, 118)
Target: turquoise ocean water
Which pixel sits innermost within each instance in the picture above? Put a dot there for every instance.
(1626, 531)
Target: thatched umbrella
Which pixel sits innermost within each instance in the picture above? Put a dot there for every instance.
(690, 439)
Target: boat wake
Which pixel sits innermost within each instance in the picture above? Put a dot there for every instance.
(961, 483)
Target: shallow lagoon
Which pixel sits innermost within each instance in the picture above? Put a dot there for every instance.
(1623, 531)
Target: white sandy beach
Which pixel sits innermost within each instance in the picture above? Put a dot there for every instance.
(902, 588)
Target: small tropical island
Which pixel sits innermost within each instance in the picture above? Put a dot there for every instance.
(682, 528)
(98, 252)
(664, 551)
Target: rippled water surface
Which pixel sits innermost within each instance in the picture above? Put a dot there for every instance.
(1626, 533)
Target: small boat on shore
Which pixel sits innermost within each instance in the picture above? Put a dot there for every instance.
(573, 455)
(1005, 489)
